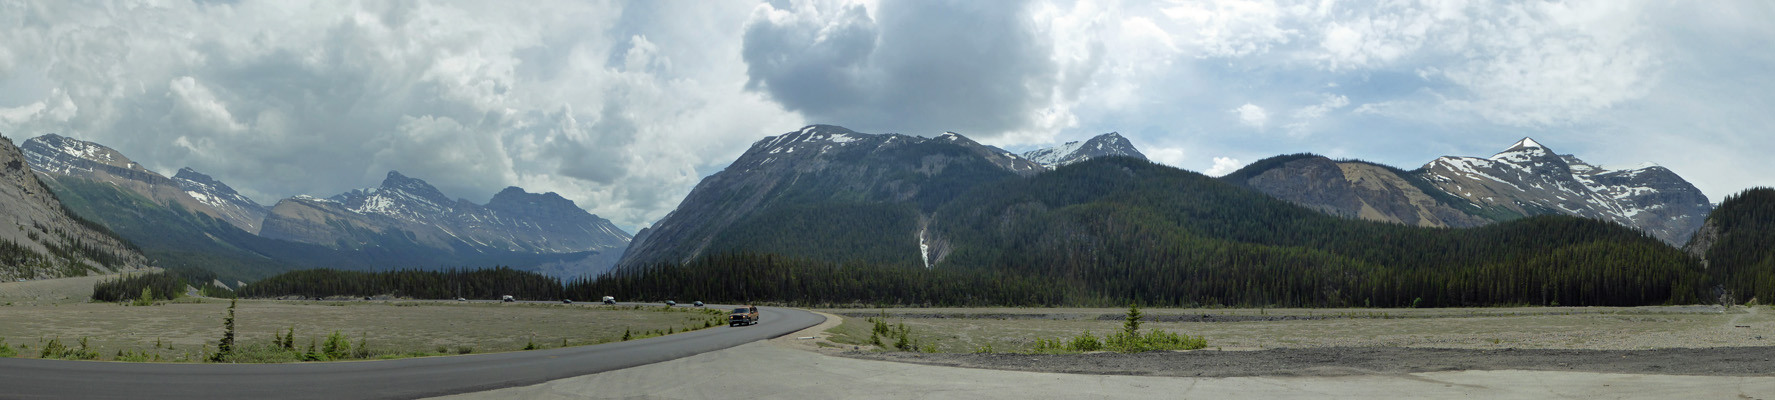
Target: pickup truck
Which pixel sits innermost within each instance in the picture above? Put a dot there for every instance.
(743, 316)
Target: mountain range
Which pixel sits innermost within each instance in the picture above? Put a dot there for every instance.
(820, 183)
(1525, 179)
(403, 223)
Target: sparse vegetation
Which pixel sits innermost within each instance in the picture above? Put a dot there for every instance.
(55, 349)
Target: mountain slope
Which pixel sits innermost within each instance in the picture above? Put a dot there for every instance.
(40, 238)
(1106, 145)
(825, 190)
(1734, 244)
(59, 156)
(1173, 236)
(1354, 189)
(238, 210)
(1531, 179)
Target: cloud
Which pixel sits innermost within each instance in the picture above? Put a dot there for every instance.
(984, 69)
(1223, 166)
(1306, 116)
(1252, 116)
(616, 106)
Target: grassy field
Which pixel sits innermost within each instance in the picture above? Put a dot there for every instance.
(1016, 329)
(186, 329)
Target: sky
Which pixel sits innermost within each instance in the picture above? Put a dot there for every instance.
(624, 106)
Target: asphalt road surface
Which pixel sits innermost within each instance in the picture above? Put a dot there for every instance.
(403, 378)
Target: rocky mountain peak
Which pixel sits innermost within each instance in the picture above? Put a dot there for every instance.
(1105, 145)
(415, 187)
(514, 197)
(64, 155)
(191, 175)
(238, 210)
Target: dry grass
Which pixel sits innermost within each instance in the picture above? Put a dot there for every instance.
(1015, 329)
(183, 330)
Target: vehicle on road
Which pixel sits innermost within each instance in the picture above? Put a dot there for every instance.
(670, 303)
(699, 303)
(747, 315)
(609, 300)
(507, 298)
(566, 301)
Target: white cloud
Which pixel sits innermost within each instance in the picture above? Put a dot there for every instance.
(1223, 166)
(1306, 116)
(281, 98)
(1172, 156)
(1252, 115)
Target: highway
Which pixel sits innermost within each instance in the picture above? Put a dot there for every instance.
(384, 379)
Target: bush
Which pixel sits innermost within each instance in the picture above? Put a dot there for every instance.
(337, 347)
(6, 351)
(55, 349)
(1084, 342)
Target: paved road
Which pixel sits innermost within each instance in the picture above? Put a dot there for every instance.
(405, 378)
(766, 370)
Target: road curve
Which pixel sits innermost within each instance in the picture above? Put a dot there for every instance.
(403, 378)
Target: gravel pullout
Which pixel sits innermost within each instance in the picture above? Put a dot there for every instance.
(1343, 361)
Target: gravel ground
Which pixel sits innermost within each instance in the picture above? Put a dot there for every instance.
(1341, 361)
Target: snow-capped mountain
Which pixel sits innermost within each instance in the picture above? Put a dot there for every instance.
(55, 156)
(238, 210)
(48, 242)
(513, 221)
(814, 185)
(1529, 178)
(1105, 145)
(1525, 179)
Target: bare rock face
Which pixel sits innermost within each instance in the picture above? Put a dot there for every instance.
(40, 238)
(1358, 190)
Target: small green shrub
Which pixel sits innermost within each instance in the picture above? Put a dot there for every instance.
(6, 351)
(1085, 342)
(55, 349)
(337, 346)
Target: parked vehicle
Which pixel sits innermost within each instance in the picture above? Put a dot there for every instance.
(747, 315)
(609, 300)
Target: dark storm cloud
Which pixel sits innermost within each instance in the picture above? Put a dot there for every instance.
(982, 68)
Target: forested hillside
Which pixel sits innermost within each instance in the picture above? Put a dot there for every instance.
(1116, 230)
(1736, 242)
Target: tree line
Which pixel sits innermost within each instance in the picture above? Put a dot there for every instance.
(489, 283)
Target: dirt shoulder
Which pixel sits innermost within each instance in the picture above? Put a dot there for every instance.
(1335, 361)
